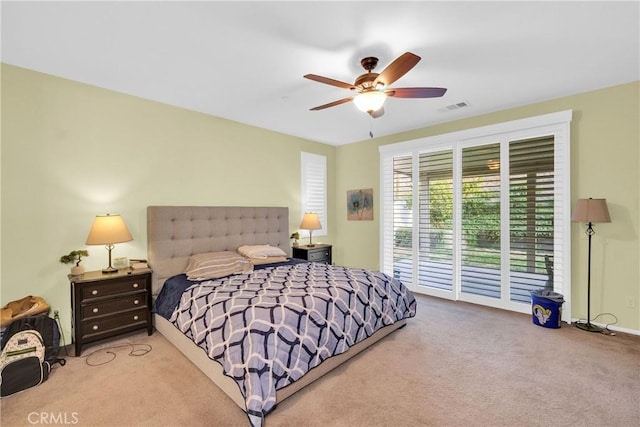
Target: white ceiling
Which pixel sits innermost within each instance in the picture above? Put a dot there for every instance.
(244, 61)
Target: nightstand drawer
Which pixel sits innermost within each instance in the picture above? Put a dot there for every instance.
(323, 255)
(317, 253)
(103, 289)
(102, 308)
(107, 324)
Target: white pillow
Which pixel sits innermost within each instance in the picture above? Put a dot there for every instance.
(213, 265)
(260, 251)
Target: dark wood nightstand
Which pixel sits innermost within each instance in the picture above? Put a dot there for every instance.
(316, 253)
(106, 305)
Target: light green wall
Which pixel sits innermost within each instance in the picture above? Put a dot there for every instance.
(605, 162)
(71, 151)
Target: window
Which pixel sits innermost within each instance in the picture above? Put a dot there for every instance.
(314, 189)
(480, 215)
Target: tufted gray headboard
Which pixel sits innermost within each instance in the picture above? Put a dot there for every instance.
(174, 233)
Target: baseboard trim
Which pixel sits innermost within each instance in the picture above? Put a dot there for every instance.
(613, 328)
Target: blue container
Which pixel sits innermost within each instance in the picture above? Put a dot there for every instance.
(546, 308)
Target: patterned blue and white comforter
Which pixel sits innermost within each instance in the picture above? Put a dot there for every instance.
(269, 327)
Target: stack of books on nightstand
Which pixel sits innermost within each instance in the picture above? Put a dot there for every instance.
(138, 264)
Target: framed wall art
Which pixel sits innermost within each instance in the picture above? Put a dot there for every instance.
(360, 205)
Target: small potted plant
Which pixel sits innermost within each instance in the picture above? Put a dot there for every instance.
(75, 256)
(295, 236)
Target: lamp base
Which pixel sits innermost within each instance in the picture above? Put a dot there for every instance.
(588, 327)
(109, 270)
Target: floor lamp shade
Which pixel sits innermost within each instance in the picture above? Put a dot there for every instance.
(590, 211)
(107, 230)
(310, 221)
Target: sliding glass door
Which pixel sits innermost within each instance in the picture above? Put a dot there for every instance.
(480, 219)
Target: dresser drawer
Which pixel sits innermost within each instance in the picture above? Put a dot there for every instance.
(114, 305)
(103, 289)
(99, 325)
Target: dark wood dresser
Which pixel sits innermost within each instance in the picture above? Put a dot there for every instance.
(106, 305)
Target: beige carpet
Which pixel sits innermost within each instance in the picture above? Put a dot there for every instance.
(455, 364)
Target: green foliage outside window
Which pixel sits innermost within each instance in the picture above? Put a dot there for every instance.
(481, 221)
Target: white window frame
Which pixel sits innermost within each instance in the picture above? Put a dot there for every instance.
(556, 124)
(313, 187)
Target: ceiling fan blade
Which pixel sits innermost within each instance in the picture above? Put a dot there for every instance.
(416, 92)
(332, 104)
(327, 80)
(397, 69)
(379, 112)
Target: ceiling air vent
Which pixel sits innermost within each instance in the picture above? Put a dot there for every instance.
(456, 106)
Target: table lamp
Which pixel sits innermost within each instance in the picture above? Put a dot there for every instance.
(310, 221)
(107, 230)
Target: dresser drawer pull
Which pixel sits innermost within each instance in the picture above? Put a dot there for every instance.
(135, 285)
(136, 302)
(94, 292)
(95, 310)
(135, 317)
(95, 327)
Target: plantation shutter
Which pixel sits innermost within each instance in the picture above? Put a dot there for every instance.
(531, 215)
(481, 215)
(436, 220)
(314, 189)
(403, 218)
(480, 227)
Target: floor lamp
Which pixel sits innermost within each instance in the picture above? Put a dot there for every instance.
(590, 211)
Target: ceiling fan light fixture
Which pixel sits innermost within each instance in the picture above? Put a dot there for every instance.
(369, 101)
(372, 88)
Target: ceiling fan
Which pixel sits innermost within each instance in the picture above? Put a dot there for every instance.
(373, 88)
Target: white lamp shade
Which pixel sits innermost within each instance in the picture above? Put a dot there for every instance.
(108, 229)
(310, 221)
(591, 210)
(370, 101)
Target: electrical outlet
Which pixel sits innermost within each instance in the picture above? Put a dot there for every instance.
(631, 302)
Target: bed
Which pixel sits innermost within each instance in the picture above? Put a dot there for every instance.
(176, 233)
